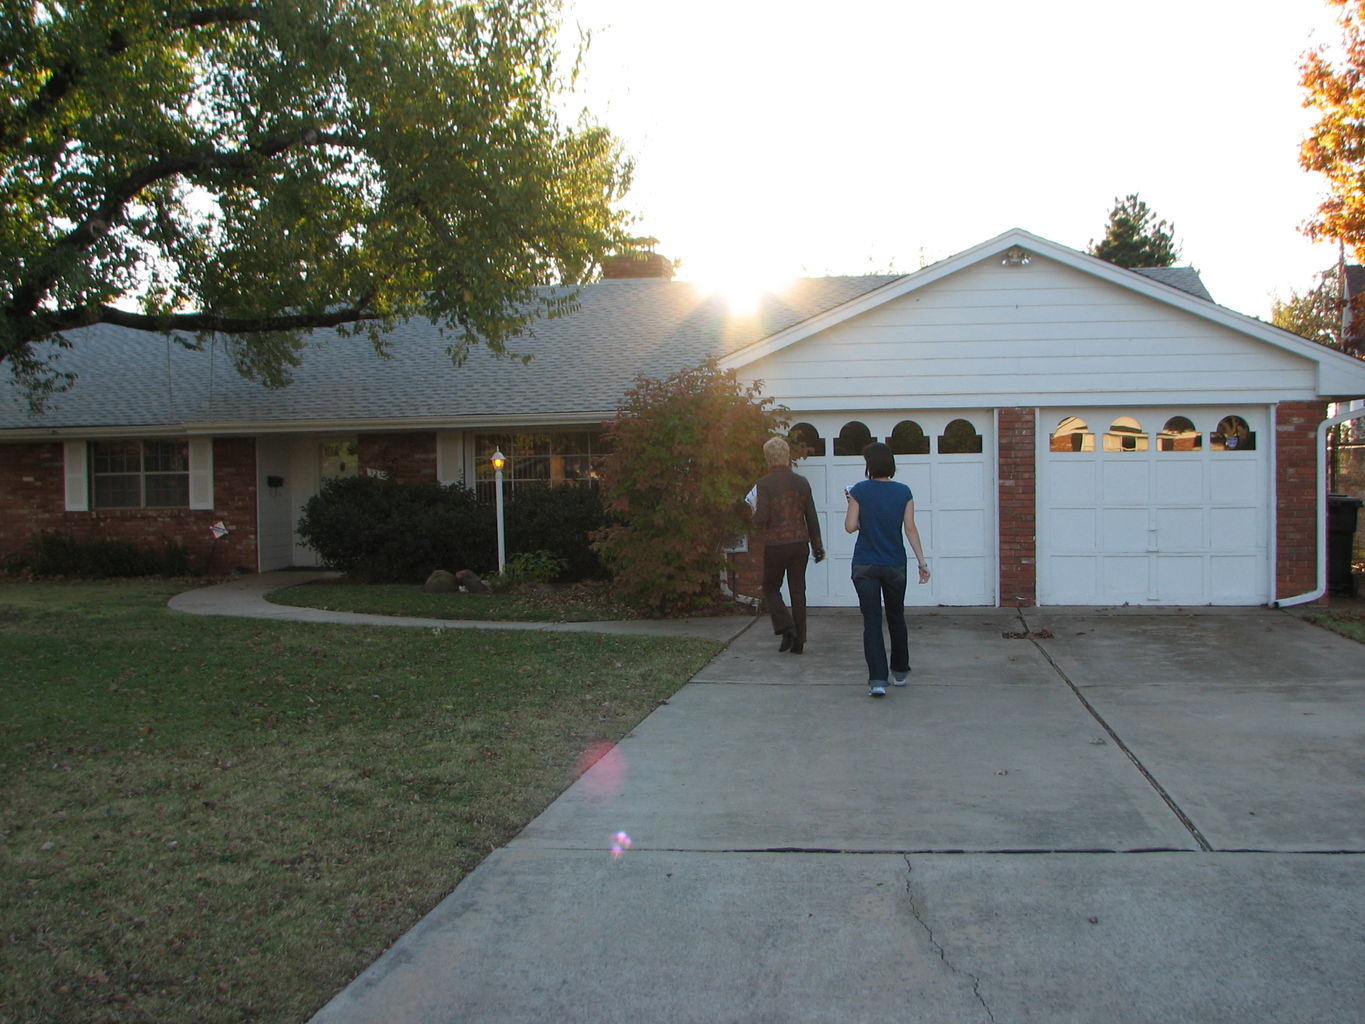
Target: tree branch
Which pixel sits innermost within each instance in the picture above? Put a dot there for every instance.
(28, 294)
(66, 76)
(194, 323)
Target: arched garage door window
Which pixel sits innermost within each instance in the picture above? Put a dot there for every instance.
(908, 439)
(959, 438)
(806, 442)
(852, 439)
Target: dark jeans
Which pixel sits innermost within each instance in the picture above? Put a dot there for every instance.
(787, 560)
(878, 587)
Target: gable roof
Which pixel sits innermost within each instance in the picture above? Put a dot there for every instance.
(1339, 375)
(580, 365)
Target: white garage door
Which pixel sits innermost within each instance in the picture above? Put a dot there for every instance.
(1154, 506)
(945, 458)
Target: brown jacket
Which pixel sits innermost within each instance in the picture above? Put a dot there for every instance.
(786, 511)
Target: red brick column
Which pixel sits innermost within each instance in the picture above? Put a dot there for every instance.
(1296, 497)
(1017, 454)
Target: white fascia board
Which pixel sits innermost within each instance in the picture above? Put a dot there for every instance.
(1193, 398)
(1339, 374)
(229, 428)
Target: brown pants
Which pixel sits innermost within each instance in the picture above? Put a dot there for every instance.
(787, 560)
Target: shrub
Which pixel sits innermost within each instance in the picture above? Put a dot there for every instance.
(560, 522)
(380, 530)
(686, 450)
(527, 567)
(60, 554)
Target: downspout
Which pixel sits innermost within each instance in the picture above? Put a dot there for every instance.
(1321, 588)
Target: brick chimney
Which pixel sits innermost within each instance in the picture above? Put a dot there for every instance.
(627, 265)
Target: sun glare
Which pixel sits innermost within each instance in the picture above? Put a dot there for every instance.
(740, 288)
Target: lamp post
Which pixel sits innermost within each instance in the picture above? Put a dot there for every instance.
(499, 460)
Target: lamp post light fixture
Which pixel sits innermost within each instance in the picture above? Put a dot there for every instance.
(499, 460)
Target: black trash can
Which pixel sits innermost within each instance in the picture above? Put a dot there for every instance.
(1342, 514)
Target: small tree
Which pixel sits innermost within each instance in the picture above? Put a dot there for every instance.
(686, 450)
(1134, 238)
(1315, 314)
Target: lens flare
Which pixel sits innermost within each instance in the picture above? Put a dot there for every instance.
(603, 770)
(620, 843)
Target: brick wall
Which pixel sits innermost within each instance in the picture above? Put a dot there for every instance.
(1018, 456)
(1296, 497)
(408, 458)
(33, 500)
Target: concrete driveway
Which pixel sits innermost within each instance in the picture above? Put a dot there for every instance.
(1119, 816)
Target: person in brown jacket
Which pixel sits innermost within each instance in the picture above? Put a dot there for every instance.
(789, 528)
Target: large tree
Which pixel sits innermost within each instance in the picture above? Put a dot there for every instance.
(1335, 146)
(1135, 238)
(257, 170)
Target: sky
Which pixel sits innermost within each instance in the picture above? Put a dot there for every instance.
(776, 139)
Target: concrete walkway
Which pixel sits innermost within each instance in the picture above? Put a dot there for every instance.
(245, 597)
(1117, 816)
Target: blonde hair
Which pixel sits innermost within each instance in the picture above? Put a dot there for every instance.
(777, 452)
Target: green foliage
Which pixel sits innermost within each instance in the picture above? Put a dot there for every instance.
(60, 554)
(686, 450)
(1134, 238)
(379, 530)
(528, 567)
(560, 522)
(1315, 314)
(256, 171)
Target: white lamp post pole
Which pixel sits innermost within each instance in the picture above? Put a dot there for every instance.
(499, 460)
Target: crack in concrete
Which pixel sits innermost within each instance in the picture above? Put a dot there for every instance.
(1166, 797)
(918, 915)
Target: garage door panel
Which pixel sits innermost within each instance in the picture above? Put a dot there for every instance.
(1237, 579)
(1125, 578)
(1073, 528)
(1124, 530)
(1236, 480)
(1076, 576)
(958, 582)
(1180, 529)
(1181, 580)
(955, 533)
(1073, 482)
(1125, 480)
(1236, 527)
(1178, 480)
(960, 485)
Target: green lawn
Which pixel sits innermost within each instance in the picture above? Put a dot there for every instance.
(212, 819)
(1348, 622)
(581, 603)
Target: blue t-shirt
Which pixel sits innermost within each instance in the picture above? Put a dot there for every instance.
(881, 522)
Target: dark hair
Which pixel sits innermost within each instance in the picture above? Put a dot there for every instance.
(881, 461)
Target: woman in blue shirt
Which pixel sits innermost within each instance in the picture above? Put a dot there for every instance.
(879, 511)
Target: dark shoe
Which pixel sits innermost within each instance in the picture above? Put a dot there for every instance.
(798, 646)
(788, 637)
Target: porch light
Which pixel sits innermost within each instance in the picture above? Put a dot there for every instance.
(499, 460)
(1015, 257)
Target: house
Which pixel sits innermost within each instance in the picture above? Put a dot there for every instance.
(1074, 432)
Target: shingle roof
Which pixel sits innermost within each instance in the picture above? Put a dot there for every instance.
(1187, 279)
(581, 364)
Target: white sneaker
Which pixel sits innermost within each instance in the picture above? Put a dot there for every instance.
(900, 678)
(876, 689)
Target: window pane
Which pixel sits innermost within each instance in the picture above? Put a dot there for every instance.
(1233, 434)
(115, 457)
(168, 490)
(908, 438)
(121, 490)
(165, 457)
